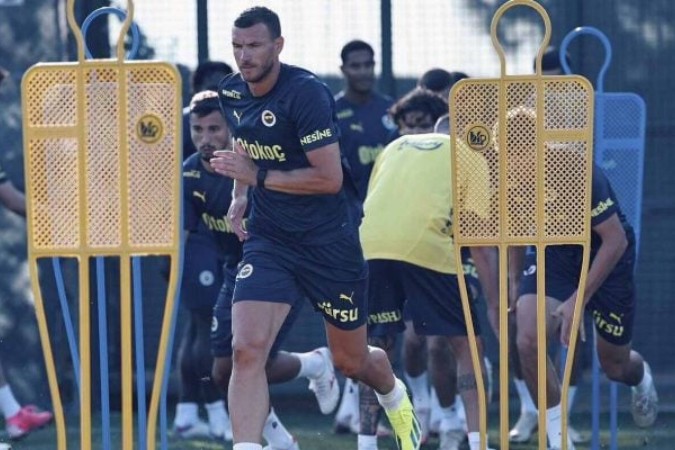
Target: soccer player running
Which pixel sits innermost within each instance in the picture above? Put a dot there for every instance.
(411, 256)
(300, 240)
(206, 195)
(610, 297)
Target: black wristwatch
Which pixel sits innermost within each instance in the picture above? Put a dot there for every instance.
(260, 178)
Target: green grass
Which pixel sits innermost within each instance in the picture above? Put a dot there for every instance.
(314, 432)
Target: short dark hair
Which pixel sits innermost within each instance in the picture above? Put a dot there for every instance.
(436, 80)
(206, 68)
(260, 14)
(551, 60)
(204, 103)
(419, 99)
(456, 76)
(353, 46)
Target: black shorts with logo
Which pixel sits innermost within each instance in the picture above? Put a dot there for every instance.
(612, 305)
(431, 298)
(332, 276)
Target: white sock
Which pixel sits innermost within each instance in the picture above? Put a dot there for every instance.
(474, 440)
(217, 414)
(247, 446)
(8, 404)
(366, 442)
(450, 419)
(419, 388)
(275, 433)
(312, 364)
(186, 414)
(526, 403)
(392, 400)
(640, 388)
(571, 394)
(554, 426)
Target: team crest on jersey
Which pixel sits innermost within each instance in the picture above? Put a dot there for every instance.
(268, 118)
(245, 271)
(206, 278)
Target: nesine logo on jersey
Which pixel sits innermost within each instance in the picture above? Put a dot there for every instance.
(231, 94)
(268, 118)
(316, 136)
(602, 207)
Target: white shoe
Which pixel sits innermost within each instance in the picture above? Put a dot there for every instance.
(326, 387)
(293, 446)
(523, 429)
(196, 430)
(645, 406)
(450, 439)
(576, 437)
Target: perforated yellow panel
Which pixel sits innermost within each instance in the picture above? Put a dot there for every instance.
(140, 159)
(530, 202)
(522, 166)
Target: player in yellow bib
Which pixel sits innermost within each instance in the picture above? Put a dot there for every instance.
(406, 235)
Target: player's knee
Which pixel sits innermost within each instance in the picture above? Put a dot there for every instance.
(351, 364)
(526, 343)
(249, 353)
(613, 368)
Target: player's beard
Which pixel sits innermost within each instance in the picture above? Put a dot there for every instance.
(207, 154)
(266, 70)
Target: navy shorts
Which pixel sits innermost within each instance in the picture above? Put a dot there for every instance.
(431, 298)
(202, 273)
(612, 305)
(332, 276)
(221, 325)
(470, 273)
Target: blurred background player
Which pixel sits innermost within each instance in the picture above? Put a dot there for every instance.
(19, 420)
(205, 204)
(205, 77)
(609, 296)
(527, 422)
(415, 268)
(201, 281)
(365, 128)
(440, 81)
